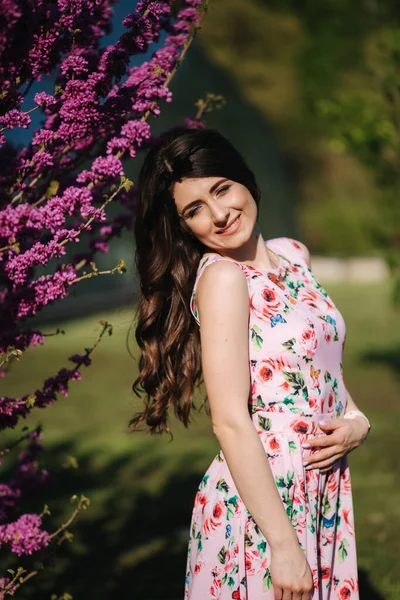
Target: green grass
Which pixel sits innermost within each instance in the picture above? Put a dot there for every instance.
(132, 541)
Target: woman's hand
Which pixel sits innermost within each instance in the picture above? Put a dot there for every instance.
(343, 435)
(290, 573)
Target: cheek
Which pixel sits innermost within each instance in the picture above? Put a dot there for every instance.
(246, 202)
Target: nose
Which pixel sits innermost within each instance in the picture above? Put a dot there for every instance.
(220, 215)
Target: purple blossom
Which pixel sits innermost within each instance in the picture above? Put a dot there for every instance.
(108, 166)
(43, 136)
(132, 135)
(44, 100)
(4, 582)
(75, 64)
(15, 118)
(191, 15)
(17, 268)
(45, 290)
(86, 360)
(24, 535)
(194, 123)
(42, 160)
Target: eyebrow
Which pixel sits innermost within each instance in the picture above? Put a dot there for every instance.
(211, 190)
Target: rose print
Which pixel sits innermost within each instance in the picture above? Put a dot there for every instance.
(266, 373)
(308, 341)
(212, 523)
(272, 305)
(300, 426)
(346, 590)
(312, 402)
(201, 499)
(198, 566)
(273, 445)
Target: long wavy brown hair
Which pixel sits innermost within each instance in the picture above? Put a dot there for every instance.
(166, 259)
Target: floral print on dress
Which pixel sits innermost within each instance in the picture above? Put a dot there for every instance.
(296, 342)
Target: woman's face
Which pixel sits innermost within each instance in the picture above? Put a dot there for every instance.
(210, 205)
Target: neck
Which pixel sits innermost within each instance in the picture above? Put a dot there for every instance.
(255, 252)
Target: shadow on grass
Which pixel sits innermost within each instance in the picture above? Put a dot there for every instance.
(131, 544)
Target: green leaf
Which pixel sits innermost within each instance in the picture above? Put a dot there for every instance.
(204, 481)
(295, 379)
(280, 482)
(264, 423)
(126, 183)
(30, 401)
(121, 266)
(267, 580)
(342, 552)
(53, 188)
(290, 477)
(256, 339)
(222, 555)
(222, 486)
(288, 400)
(289, 345)
(292, 446)
(261, 547)
(233, 500)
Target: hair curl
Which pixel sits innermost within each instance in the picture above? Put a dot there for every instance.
(166, 258)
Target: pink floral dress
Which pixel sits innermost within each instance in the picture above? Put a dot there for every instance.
(296, 341)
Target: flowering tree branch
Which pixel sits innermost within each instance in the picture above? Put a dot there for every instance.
(97, 115)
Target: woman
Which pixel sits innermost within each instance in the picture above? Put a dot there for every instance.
(273, 516)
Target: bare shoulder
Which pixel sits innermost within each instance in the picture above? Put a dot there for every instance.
(221, 274)
(222, 289)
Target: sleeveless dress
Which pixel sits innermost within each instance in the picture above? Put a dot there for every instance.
(296, 341)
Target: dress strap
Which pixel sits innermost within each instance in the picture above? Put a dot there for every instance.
(295, 252)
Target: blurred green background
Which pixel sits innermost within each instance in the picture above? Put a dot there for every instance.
(312, 91)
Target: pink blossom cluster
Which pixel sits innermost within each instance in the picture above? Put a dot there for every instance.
(24, 535)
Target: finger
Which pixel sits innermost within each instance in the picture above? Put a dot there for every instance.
(296, 595)
(331, 424)
(322, 441)
(278, 593)
(322, 455)
(306, 596)
(325, 463)
(287, 595)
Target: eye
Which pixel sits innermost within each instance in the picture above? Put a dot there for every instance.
(193, 212)
(221, 189)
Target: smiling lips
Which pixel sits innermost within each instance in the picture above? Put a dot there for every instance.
(231, 228)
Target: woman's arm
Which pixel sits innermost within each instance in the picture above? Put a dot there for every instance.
(223, 303)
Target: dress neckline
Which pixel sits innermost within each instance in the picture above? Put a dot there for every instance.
(280, 266)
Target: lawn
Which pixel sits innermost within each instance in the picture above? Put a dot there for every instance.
(131, 543)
